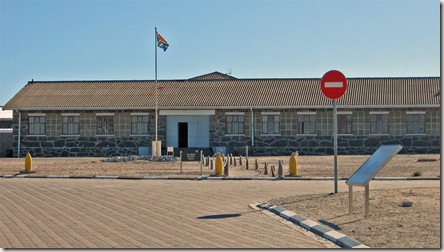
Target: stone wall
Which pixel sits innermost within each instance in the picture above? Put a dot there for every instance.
(83, 146)
(321, 143)
(6, 144)
(347, 145)
(287, 141)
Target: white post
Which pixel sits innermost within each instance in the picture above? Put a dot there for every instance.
(19, 134)
(157, 145)
(201, 159)
(335, 143)
(252, 127)
(180, 156)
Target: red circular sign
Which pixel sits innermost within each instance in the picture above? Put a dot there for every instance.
(333, 84)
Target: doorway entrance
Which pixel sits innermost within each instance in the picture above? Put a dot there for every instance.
(183, 134)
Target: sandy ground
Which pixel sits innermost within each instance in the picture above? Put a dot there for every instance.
(389, 224)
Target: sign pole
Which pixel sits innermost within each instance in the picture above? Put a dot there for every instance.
(334, 86)
(335, 143)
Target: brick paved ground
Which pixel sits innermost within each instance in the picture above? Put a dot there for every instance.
(82, 213)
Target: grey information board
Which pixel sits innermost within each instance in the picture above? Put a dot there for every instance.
(373, 165)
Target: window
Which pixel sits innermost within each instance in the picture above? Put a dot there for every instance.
(70, 125)
(345, 124)
(270, 124)
(416, 123)
(37, 125)
(307, 124)
(379, 123)
(105, 125)
(139, 124)
(235, 124)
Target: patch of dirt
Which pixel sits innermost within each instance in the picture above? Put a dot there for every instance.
(389, 225)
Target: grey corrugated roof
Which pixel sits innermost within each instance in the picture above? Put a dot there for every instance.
(219, 93)
(213, 76)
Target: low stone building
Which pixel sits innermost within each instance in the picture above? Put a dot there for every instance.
(220, 112)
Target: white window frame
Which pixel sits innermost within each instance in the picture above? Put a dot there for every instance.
(33, 115)
(388, 122)
(407, 123)
(274, 123)
(306, 113)
(147, 123)
(238, 122)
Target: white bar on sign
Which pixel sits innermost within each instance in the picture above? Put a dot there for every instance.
(334, 84)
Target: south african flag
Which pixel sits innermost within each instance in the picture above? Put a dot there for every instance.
(161, 42)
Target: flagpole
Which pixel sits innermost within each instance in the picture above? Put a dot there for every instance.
(155, 71)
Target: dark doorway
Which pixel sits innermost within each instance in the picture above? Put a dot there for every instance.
(183, 135)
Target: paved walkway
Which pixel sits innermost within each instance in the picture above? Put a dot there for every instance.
(82, 213)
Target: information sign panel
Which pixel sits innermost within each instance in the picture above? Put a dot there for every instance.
(373, 165)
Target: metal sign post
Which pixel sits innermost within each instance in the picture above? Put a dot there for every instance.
(334, 86)
(335, 144)
(367, 171)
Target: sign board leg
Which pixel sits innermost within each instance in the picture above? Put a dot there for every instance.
(350, 199)
(367, 200)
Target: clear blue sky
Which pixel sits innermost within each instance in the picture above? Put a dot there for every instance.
(114, 40)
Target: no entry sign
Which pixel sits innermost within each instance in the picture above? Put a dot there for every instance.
(333, 84)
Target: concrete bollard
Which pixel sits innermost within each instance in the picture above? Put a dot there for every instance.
(280, 170)
(240, 160)
(272, 171)
(246, 163)
(226, 168)
(28, 162)
(293, 165)
(256, 165)
(231, 159)
(265, 169)
(235, 162)
(219, 165)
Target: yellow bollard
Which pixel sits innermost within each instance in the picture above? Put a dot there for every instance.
(293, 165)
(219, 165)
(28, 162)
